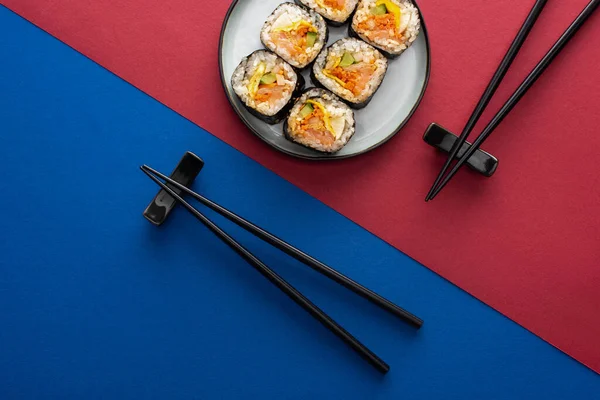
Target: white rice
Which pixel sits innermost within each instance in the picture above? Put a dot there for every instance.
(296, 13)
(410, 17)
(334, 107)
(332, 13)
(244, 72)
(360, 50)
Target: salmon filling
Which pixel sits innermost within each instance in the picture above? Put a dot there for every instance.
(295, 41)
(381, 27)
(356, 77)
(352, 71)
(334, 4)
(313, 126)
(269, 93)
(269, 86)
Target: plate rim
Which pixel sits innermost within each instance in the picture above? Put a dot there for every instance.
(317, 156)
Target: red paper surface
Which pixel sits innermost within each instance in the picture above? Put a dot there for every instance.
(529, 238)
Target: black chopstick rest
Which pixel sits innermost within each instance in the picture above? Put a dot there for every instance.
(442, 139)
(185, 173)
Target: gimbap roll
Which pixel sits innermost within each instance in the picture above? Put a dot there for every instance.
(335, 12)
(389, 25)
(320, 121)
(351, 69)
(295, 33)
(266, 85)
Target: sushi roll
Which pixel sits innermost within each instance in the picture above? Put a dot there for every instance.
(320, 121)
(351, 69)
(295, 33)
(389, 25)
(266, 85)
(335, 12)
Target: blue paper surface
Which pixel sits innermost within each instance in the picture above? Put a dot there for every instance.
(97, 303)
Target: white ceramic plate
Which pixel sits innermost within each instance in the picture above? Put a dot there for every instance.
(391, 107)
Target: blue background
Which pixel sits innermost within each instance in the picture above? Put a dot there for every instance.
(97, 303)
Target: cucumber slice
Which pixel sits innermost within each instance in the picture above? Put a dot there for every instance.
(311, 39)
(347, 60)
(268, 79)
(379, 10)
(306, 111)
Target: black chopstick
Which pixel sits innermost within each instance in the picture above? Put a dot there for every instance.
(521, 90)
(491, 88)
(278, 281)
(296, 253)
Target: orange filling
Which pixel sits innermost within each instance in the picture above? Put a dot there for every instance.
(355, 78)
(313, 125)
(383, 25)
(295, 42)
(264, 92)
(271, 92)
(335, 4)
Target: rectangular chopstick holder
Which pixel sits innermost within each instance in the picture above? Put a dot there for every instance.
(185, 173)
(442, 139)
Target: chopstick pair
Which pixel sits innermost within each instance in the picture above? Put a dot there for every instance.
(442, 179)
(277, 280)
